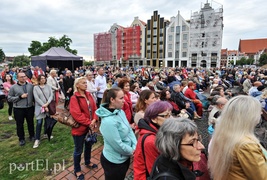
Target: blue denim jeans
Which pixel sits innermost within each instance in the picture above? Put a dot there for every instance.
(38, 129)
(192, 106)
(78, 149)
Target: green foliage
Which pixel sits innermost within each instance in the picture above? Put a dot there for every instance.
(88, 63)
(37, 48)
(21, 61)
(244, 61)
(250, 61)
(263, 59)
(231, 62)
(57, 151)
(2, 55)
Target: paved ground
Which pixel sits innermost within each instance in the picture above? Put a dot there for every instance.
(99, 173)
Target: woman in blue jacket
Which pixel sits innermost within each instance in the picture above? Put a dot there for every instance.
(119, 139)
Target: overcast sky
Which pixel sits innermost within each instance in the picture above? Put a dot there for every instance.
(22, 21)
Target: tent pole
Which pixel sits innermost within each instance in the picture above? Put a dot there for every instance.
(72, 66)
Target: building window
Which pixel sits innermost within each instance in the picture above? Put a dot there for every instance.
(169, 46)
(184, 54)
(154, 24)
(177, 37)
(177, 29)
(154, 32)
(183, 28)
(185, 37)
(170, 37)
(176, 54)
(184, 45)
(172, 29)
(169, 54)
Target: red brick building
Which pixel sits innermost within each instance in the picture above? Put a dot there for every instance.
(128, 43)
(102, 46)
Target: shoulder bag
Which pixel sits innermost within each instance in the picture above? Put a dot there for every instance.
(51, 106)
(67, 119)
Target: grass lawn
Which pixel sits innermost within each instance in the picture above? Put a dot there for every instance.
(27, 163)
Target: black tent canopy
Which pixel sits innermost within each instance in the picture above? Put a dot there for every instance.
(57, 57)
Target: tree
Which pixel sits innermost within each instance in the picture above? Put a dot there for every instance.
(2, 55)
(250, 61)
(88, 63)
(241, 62)
(263, 59)
(231, 62)
(37, 48)
(21, 61)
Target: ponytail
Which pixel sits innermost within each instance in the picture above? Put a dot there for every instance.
(110, 93)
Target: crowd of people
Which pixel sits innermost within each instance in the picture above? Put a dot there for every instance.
(149, 114)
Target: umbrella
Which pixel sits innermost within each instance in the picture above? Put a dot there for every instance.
(49, 125)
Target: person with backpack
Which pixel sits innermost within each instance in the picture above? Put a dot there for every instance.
(146, 152)
(180, 146)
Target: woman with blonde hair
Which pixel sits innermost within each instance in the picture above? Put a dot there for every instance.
(52, 81)
(90, 84)
(82, 109)
(235, 152)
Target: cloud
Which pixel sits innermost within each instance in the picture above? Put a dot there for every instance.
(24, 21)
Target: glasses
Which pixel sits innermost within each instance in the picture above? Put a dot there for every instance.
(195, 142)
(165, 115)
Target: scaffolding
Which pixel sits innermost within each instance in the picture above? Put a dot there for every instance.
(102, 47)
(128, 43)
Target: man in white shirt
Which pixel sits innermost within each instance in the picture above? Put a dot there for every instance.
(100, 84)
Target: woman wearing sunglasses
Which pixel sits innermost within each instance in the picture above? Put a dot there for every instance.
(180, 146)
(146, 152)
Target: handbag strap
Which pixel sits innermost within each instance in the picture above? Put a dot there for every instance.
(43, 92)
(89, 108)
(143, 151)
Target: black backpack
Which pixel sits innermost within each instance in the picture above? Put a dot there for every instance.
(161, 174)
